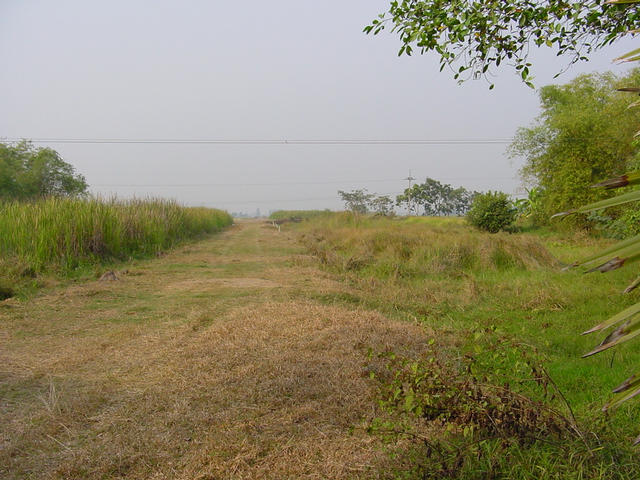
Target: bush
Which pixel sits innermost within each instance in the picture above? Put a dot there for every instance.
(492, 211)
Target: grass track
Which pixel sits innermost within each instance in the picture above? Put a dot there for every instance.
(211, 362)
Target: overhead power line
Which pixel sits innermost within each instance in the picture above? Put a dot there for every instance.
(124, 141)
(209, 203)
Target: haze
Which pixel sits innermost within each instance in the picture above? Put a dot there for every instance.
(244, 71)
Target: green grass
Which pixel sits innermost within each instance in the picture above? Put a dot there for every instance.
(65, 232)
(482, 294)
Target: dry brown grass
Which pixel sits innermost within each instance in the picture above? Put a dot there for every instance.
(208, 363)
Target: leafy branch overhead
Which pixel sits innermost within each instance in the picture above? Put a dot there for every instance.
(473, 37)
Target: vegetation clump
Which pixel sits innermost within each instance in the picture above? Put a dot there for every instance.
(492, 212)
(484, 424)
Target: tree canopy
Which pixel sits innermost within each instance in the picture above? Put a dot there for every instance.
(28, 172)
(362, 202)
(583, 135)
(474, 36)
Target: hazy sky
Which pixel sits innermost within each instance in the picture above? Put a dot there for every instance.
(280, 70)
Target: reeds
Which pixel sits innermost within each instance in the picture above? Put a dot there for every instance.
(67, 232)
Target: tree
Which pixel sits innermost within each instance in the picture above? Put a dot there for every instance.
(27, 172)
(382, 205)
(357, 200)
(583, 135)
(475, 36)
(362, 202)
(437, 199)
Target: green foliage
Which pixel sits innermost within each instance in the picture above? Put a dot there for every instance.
(492, 212)
(27, 172)
(584, 134)
(473, 37)
(532, 206)
(67, 232)
(625, 225)
(437, 199)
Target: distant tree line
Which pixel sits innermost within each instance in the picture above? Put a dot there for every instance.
(27, 172)
(431, 198)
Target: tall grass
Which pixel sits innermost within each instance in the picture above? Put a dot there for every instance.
(67, 232)
(411, 248)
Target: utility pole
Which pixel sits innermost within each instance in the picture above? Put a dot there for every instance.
(410, 179)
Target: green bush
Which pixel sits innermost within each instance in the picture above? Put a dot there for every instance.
(492, 211)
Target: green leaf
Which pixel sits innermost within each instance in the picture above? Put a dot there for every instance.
(609, 202)
(621, 256)
(629, 389)
(627, 331)
(620, 317)
(628, 56)
(631, 178)
(613, 250)
(635, 284)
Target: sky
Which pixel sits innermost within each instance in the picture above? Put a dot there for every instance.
(284, 70)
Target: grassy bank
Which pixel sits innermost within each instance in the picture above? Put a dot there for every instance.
(65, 233)
(503, 314)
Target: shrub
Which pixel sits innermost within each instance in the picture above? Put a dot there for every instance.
(492, 211)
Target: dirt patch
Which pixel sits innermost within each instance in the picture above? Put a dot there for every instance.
(271, 391)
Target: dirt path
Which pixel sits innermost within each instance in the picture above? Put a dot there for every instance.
(217, 361)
